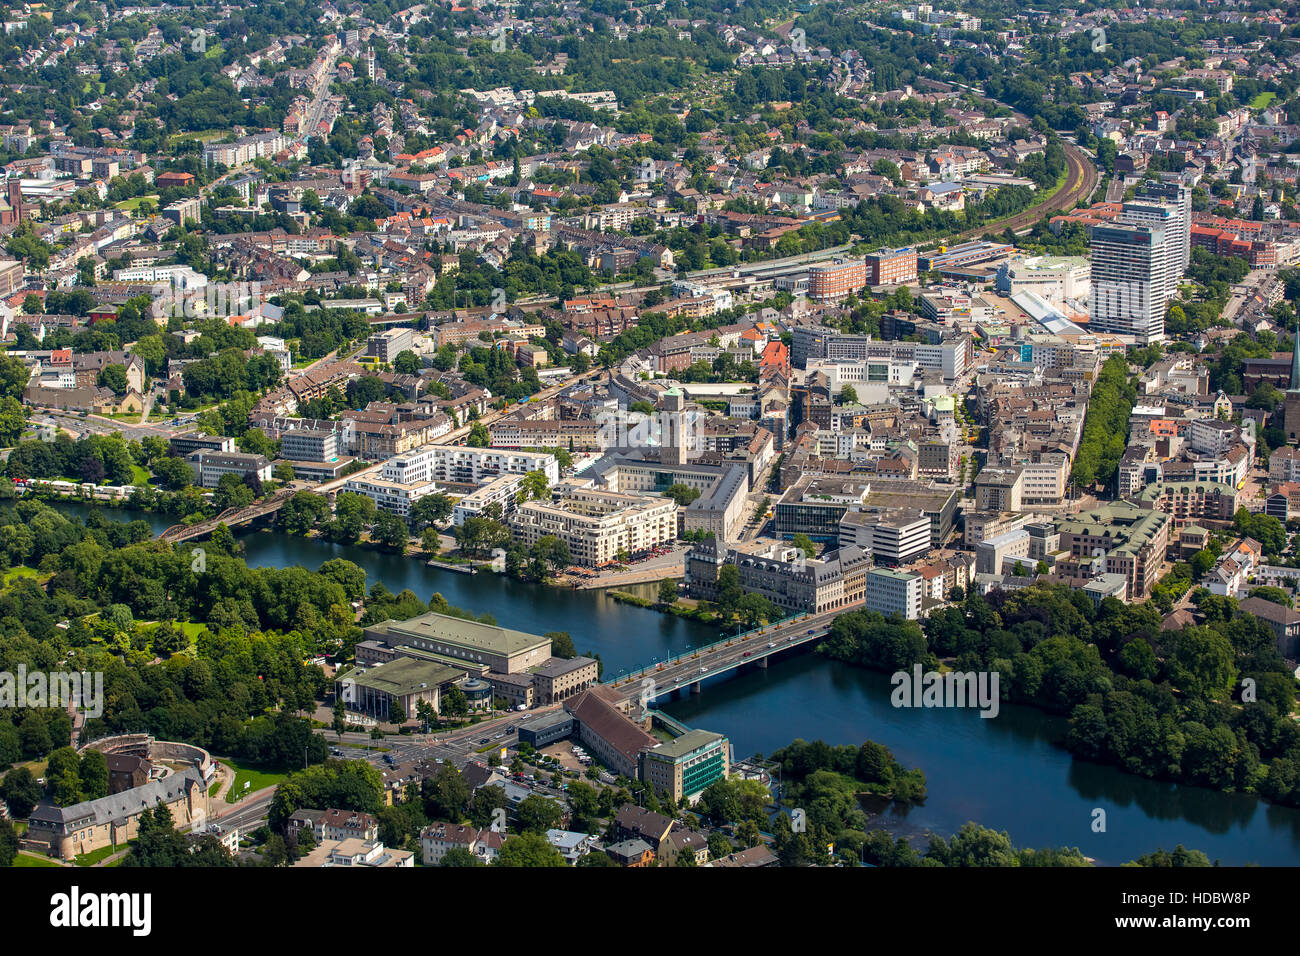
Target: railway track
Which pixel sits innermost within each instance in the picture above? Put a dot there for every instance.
(1080, 183)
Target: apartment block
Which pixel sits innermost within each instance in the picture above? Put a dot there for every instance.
(598, 526)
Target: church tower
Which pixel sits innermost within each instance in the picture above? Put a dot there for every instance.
(1291, 409)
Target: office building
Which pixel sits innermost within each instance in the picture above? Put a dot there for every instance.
(891, 537)
(893, 592)
(1137, 261)
(687, 764)
(837, 280)
(390, 343)
(891, 267)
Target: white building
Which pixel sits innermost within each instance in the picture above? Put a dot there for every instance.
(894, 592)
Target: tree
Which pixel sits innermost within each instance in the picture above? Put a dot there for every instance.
(848, 395)
(21, 792)
(391, 531)
(561, 645)
(478, 436)
(804, 544)
(340, 720)
(1199, 661)
(1274, 594)
(485, 802)
(232, 492)
(352, 513)
(529, 849)
(406, 363)
(94, 775)
(8, 843)
(454, 702)
(682, 494)
(667, 591)
(63, 776)
(445, 794)
(1179, 857)
(459, 856)
(533, 485)
(537, 814)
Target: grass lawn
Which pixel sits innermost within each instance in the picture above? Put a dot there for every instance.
(204, 135)
(22, 859)
(139, 476)
(1262, 101)
(256, 779)
(98, 856)
(188, 628)
(132, 204)
(13, 574)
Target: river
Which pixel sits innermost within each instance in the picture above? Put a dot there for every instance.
(1007, 772)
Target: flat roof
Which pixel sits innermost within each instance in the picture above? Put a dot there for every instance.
(405, 675)
(455, 630)
(688, 742)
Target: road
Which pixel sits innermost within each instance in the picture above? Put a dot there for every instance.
(315, 110)
(247, 814)
(680, 672)
(442, 745)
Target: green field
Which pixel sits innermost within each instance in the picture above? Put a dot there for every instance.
(256, 778)
(23, 860)
(1262, 101)
(13, 574)
(205, 135)
(98, 856)
(131, 205)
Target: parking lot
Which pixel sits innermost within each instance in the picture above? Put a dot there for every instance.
(563, 752)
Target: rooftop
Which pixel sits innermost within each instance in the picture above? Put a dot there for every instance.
(688, 743)
(471, 634)
(406, 675)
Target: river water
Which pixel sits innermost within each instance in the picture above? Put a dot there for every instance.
(1007, 772)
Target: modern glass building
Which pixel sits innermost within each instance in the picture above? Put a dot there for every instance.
(686, 765)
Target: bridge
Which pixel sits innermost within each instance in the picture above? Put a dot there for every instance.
(688, 670)
(230, 518)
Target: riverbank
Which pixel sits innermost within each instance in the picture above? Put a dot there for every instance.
(1011, 774)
